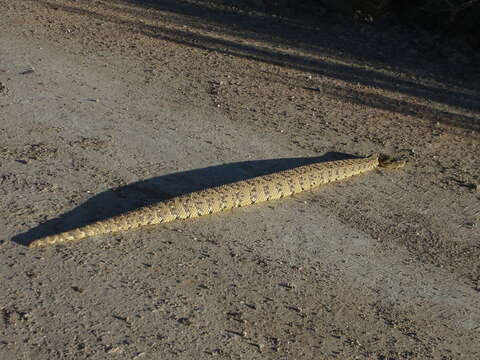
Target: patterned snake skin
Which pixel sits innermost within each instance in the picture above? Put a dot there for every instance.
(241, 193)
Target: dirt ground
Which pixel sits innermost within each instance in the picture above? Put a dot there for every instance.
(106, 106)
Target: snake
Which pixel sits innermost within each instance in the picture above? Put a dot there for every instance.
(221, 198)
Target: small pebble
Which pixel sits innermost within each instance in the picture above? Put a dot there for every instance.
(28, 71)
(295, 308)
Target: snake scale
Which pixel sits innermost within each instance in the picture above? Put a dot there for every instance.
(221, 198)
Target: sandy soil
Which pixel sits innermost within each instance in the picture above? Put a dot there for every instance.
(110, 105)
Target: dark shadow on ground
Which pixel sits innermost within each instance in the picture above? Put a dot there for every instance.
(393, 105)
(323, 47)
(130, 197)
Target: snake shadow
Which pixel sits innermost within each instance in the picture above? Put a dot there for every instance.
(146, 192)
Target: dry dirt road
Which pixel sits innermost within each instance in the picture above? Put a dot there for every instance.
(109, 105)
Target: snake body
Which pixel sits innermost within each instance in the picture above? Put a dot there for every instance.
(221, 198)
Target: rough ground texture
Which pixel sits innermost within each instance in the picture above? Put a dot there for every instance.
(106, 106)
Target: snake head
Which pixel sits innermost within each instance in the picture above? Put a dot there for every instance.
(389, 162)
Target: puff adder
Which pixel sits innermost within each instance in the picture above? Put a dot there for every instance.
(241, 193)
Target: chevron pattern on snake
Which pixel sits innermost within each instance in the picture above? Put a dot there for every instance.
(242, 193)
